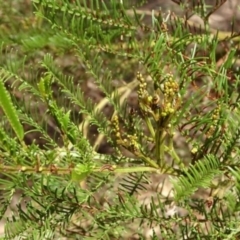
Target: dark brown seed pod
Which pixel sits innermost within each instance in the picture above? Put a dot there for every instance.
(155, 104)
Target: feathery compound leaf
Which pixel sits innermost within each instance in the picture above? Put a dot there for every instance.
(197, 176)
(10, 111)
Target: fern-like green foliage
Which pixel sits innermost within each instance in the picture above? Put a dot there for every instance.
(127, 122)
(10, 111)
(198, 175)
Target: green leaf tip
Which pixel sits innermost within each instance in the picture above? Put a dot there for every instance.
(80, 172)
(10, 111)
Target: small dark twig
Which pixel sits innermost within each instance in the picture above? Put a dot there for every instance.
(219, 3)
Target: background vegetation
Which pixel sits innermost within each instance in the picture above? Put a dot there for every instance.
(118, 122)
